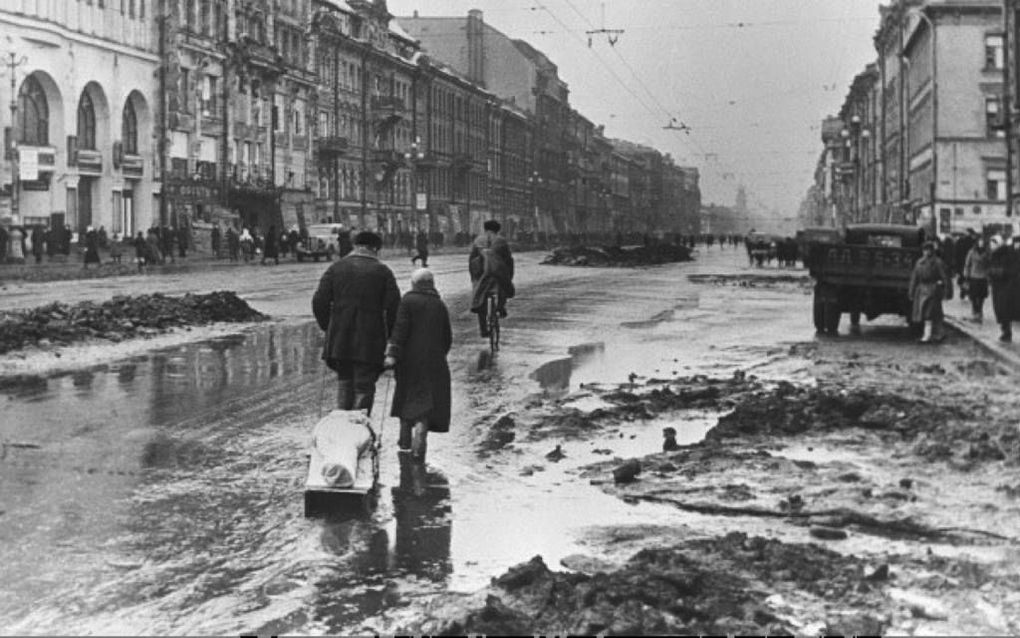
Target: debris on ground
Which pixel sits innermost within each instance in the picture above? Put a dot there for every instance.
(617, 257)
(122, 317)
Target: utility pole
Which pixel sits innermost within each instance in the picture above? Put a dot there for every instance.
(1007, 101)
(12, 65)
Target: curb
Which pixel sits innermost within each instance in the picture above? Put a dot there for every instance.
(1004, 354)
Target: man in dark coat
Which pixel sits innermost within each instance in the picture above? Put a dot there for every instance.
(271, 249)
(1004, 275)
(491, 266)
(421, 245)
(417, 352)
(356, 305)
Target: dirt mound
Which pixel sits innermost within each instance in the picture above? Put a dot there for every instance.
(616, 257)
(705, 586)
(120, 318)
(789, 409)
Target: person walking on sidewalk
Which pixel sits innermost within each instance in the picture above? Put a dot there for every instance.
(421, 245)
(356, 306)
(930, 283)
(141, 251)
(1004, 276)
(271, 249)
(91, 248)
(975, 273)
(416, 352)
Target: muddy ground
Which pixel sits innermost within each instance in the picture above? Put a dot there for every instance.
(891, 490)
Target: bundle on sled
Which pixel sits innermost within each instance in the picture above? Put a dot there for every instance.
(343, 467)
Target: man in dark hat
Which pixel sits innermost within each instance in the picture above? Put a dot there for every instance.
(491, 266)
(356, 305)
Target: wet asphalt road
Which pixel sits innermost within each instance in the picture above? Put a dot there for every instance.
(163, 494)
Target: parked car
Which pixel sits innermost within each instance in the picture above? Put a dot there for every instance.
(322, 242)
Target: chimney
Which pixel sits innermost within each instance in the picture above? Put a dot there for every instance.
(476, 47)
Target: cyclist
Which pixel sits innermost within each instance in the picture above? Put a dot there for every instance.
(491, 267)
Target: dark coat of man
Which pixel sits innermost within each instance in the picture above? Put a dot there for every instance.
(489, 263)
(271, 249)
(356, 305)
(1004, 275)
(343, 242)
(420, 342)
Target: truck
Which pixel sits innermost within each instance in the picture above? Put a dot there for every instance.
(322, 242)
(866, 271)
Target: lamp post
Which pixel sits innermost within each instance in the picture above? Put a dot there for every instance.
(534, 181)
(12, 64)
(414, 155)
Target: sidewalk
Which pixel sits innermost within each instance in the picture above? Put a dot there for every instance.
(985, 334)
(72, 267)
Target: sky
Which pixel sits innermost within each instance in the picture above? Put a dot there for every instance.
(753, 79)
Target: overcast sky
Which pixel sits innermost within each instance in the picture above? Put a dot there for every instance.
(752, 78)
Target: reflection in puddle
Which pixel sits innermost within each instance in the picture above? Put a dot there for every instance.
(554, 376)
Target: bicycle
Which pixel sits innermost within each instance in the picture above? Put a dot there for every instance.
(492, 319)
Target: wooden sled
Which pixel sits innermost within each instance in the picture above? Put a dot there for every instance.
(343, 466)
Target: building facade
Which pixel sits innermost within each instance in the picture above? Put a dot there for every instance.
(79, 151)
(921, 135)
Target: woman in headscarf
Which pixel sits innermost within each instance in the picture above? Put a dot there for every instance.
(930, 283)
(1004, 275)
(416, 352)
(975, 273)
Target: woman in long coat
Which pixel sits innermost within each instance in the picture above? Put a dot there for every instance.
(417, 351)
(1004, 275)
(930, 283)
(91, 247)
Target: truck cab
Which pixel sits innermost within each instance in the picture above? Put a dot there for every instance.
(865, 272)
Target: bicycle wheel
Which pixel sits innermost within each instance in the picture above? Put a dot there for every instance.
(493, 323)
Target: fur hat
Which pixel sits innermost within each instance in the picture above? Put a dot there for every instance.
(492, 225)
(368, 239)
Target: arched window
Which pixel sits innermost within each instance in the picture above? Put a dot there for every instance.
(33, 114)
(129, 129)
(86, 122)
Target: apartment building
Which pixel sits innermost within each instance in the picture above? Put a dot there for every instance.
(80, 148)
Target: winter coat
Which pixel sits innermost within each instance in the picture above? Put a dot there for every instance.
(929, 284)
(1004, 275)
(420, 342)
(91, 247)
(356, 305)
(490, 263)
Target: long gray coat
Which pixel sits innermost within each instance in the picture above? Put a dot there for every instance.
(356, 305)
(930, 283)
(420, 342)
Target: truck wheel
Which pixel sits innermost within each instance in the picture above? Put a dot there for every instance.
(831, 316)
(819, 314)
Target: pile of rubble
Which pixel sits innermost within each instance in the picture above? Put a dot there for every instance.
(122, 317)
(617, 257)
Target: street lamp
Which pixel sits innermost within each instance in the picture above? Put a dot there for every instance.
(13, 65)
(535, 181)
(412, 156)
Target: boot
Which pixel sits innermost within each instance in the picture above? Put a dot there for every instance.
(345, 395)
(926, 338)
(419, 441)
(404, 441)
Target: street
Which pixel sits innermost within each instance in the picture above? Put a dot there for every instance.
(161, 493)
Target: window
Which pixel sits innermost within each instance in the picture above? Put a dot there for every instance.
(33, 114)
(209, 95)
(185, 90)
(994, 53)
(86, 122)
(993, 117)
(298, 121)
(995, 185)
(129, 129)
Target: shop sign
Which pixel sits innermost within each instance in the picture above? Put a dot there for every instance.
(192, 192)
(28, 164)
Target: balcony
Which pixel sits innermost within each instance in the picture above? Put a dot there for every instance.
(387, 110)
(331, 146)
(132, 165)
(390, 159)
(89, 161)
